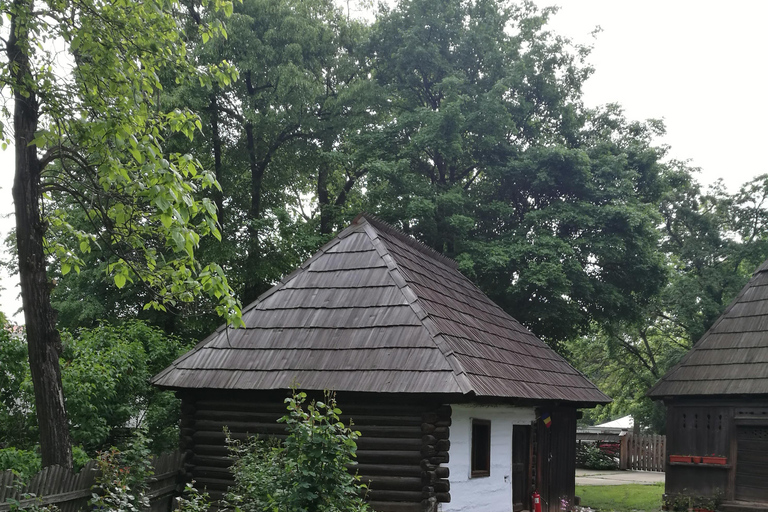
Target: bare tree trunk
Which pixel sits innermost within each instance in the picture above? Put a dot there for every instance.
(43, 340)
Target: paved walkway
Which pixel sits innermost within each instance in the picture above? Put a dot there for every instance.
(608, 477)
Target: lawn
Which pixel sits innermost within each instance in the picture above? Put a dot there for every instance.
(621, 498)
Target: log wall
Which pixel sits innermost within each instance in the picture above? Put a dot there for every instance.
(402, 445)
(701, 427)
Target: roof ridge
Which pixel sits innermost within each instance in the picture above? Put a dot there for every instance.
(407, 239)
(412, 299)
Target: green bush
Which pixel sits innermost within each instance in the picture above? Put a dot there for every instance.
(307, 472)
(25, 463)
(122, 478)
(591, 457)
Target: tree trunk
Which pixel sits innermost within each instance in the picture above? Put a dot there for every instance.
(253, 284)
(43, 340)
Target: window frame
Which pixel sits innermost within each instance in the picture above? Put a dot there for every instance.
(476, 445)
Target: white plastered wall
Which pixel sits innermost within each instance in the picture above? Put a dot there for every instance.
(492, 493)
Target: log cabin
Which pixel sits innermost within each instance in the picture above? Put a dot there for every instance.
(717, 407)
(459, 406)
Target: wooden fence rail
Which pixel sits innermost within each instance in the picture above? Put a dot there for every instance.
(70, 492)
(643, 452)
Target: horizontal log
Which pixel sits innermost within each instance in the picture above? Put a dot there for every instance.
(393, 483)
(443, 445)
(253, 427)
(443, 472)
(385, 495)
(386, 469)
(393, 424)
(216, 462)
(443, 497)
(212, 484)
(399, 431)
(396, 506)
(363, 443)
(425, 465)
(383, 443)
(440, 458)
(212, 450)
(213, 472)
(434, 476)
(360, 421)
(225, 416)
(429, 451)
(241, 406)
(395, 457)
(442, 486)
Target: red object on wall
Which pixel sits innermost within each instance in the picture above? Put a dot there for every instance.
(714, 460)
(679, 458)
(536, 499)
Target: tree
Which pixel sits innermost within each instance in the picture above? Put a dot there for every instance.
(712, 242)
(282, 133)
(90, 128)
(551, 207)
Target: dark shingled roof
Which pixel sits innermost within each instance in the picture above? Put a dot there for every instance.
(376, 311)
(732, 357)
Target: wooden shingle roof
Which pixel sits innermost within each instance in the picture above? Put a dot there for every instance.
(732, 357)
(376, 311)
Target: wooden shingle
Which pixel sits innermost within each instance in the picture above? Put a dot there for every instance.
(375, 310)
(732, 357)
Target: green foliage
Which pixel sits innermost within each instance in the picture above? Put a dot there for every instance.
(17, 425)
(308, 472)
(122, 478)
(685, 501)
(712, 242)
(192, 500)
(105, 373)
(591, 457)
(493, 160)
(25, 463)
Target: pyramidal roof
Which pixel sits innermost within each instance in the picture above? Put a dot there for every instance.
(732, 357)
(376, 311)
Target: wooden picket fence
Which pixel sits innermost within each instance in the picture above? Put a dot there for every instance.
(643, 452)
(70, 492)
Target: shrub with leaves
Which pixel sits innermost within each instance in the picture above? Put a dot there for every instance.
(121, 484)
(307, 472)
(591, 457)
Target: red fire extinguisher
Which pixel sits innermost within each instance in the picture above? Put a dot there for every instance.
(536, 499)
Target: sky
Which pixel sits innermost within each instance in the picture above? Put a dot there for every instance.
(699, 65)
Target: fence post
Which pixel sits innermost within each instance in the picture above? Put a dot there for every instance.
(624, 436)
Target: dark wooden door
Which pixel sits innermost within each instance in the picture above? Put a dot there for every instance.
(752, 463)
(521, 480)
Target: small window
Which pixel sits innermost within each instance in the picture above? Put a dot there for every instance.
(481, 448)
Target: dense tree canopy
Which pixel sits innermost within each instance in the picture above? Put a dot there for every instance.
(494, 160)
(460, 122)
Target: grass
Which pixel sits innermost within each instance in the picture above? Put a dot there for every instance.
(621, 498)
